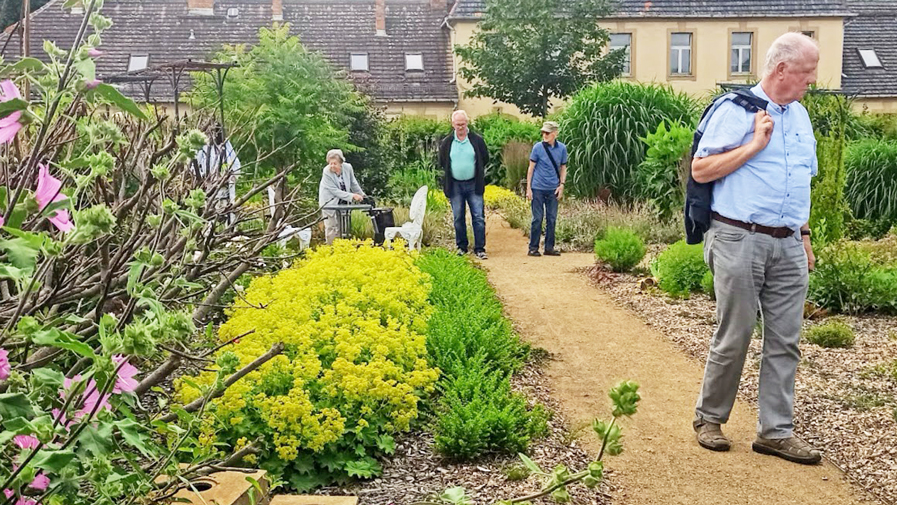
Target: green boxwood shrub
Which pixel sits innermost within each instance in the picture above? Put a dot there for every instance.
(848, 280)
(707, 284)
(602, 126)
(834, 333)
(680, 269)
(475, 347)
(621, 248)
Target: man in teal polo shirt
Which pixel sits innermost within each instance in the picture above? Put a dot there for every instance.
(463, 157)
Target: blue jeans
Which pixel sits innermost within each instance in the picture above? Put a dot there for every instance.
(545, 203)
(465, 192)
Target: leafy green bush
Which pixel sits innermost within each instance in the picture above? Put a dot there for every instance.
(660, 179)
(498, 130)
(833, 333)
(602, 125)
(474, 346)
(405, 182)
(479, 414)
(707, 284)
(680, 269)
(872, 179)
(621, 248)
(414, 139)
(847, 280)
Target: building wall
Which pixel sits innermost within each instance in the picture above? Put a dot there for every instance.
(876, 105)
(434, 110)
(711, 52)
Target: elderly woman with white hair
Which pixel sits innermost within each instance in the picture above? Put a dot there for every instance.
(338, 186)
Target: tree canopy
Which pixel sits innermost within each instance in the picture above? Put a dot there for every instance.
(527, 52)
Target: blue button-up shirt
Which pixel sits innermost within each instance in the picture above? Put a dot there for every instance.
(773, 187)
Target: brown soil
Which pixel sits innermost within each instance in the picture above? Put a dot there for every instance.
(595, 344)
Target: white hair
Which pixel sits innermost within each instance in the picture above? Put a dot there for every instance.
(789, 48)
(336, 154)
(460, 113)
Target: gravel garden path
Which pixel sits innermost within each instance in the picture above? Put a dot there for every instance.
(595, 344)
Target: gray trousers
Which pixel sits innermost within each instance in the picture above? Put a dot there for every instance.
(331, 226)
(754, 271)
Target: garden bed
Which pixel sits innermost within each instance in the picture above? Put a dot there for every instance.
(846, 399)
(416, 472)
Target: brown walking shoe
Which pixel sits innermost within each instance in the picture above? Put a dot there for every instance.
(710, 436)
(793, 449)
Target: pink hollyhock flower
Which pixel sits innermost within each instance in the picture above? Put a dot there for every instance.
(9, 493)
(2, 222)
(4, 354)
(60, 417)
(47, 192)
(94, 52)
(26, 441)
(92, 398)
(40, 482)
(125, 383)
(26, 501)
(92, 84)
(10, 124)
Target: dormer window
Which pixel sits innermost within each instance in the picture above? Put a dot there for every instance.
(358, 62)
(233, 13)
(138, 62)
(870, 59)
(414, 61)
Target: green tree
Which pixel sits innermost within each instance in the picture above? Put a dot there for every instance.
(11, 11)
(527, 52)
(285, 106)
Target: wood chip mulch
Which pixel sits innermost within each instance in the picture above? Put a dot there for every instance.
(416, 472)
(845, 399)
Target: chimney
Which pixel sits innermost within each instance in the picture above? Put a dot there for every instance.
(277, 10)
(438, 5)
(380, 17)
(200, 7)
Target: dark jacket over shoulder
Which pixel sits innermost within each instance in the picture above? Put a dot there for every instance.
(482, 158)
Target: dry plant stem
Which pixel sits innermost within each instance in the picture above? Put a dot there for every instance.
(158, 375)
(200, 402)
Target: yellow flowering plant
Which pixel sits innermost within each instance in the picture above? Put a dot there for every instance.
(353, 319)
(497, 197)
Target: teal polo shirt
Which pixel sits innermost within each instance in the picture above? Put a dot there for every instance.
(463, 159)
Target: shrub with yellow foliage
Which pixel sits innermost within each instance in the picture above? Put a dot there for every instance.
(353, 319)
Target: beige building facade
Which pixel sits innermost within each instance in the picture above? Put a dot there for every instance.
(691, 55)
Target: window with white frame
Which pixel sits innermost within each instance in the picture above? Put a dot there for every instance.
(623, 41)
(680, 53)
(414, 61)
(138, 62)
(870, 58)
(809, 33)
(741, 55)
(358, 62)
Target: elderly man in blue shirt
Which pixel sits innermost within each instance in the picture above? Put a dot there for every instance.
(545, 186)
(758, 246)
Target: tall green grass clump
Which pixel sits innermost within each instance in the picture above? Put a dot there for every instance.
(475, 347)
(602, 126)
(872, 179)
(620, 248)
(680, 269)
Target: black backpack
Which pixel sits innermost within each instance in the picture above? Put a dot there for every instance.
(698, 195)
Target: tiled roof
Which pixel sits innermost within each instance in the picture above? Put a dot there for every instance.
(166, 31)
(872, 28)
(468, 9)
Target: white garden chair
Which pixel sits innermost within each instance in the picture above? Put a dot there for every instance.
(304, 236)
(412, 231)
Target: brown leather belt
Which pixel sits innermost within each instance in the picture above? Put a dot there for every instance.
(781, 232)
